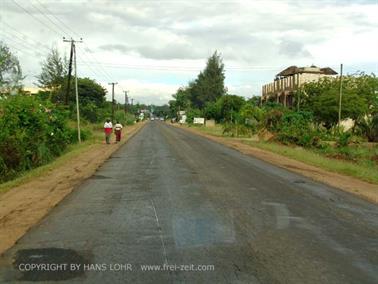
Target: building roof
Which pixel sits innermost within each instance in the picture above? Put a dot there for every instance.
(312, 69)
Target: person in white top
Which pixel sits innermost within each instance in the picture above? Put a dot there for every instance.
(118, 130)
(108, 128)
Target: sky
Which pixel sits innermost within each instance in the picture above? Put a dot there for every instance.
(151, 48)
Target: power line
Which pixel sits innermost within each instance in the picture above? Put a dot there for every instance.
(42, 13)
(84, 52)
(21, 42)
(26, 11)
(20, 50)
(54, 30)
(19, 46)
(60, 21)
(35, 42)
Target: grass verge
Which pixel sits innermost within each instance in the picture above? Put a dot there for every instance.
(358, 169)
(73, 150)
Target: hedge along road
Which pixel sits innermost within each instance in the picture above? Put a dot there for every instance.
(201, 213)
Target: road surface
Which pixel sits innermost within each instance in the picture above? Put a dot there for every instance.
(201, 213)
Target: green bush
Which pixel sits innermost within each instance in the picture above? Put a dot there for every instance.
(191, 114)
(236, 130)
(296, 128)
(124, 118)
(368, 127)
(272, 119)
(33, 132)
(343, 139)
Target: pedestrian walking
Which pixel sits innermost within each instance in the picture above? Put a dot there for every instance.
(108, 128)
(118, 131)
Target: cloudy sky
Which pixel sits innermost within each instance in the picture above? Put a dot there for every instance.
(151, 48)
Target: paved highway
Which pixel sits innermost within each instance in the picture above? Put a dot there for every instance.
(201, 213)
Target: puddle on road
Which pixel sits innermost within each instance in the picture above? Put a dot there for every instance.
(57, 264)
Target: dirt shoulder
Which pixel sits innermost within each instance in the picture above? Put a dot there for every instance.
(26, 204)
(349, 184)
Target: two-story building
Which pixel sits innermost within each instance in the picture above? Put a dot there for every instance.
(282, 89)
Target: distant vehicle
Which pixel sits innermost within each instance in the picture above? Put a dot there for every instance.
(162, 118)
(152, 118)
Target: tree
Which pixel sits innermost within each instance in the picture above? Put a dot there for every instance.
(90, 92)
(209, 85)
(91, 97)
(255, 100)
(207, 88)
(229, 106)
(10, 71)
(180, 101)
(53, 73)
(322, 98)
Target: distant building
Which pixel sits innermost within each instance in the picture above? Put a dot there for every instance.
(32, 90)
(281, 90)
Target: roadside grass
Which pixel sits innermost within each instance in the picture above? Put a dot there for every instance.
(216, 130)
(362, 169)
(356, 161)
(73, 150)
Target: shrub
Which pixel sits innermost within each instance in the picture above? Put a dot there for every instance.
(191, 114)
(343, 139)
(296, 128)
(368, 127)
(272, 119)
(236, 130)
(32, 133)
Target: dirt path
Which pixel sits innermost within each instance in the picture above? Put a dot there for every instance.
(25, 205)
(349, 184)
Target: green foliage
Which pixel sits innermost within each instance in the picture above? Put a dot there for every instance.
(359, 98)
(209, 85)
(272, 119)
(54, 70)
(10, 71)
(255, 100)
(33, 132)
(90, 92)
(161, 111)
(236, 130)
(90, 112)
(191, 114)
(212, 111)
(368, 127)
(251, 115)
(206, 88)
(180, 101)
(343, 139)
(124, 118)
(296, 128)
(229, 106)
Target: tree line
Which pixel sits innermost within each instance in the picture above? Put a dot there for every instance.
(312, 117)
(37, 128)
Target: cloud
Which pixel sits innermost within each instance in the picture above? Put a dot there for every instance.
(293, 49)
(182, 34)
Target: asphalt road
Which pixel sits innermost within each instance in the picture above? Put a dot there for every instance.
(174, 199)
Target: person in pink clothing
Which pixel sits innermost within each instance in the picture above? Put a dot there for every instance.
(108, 129)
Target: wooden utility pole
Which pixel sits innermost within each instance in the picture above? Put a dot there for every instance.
(113, 83)
(69, 75)
(73, 51)
(340, 93)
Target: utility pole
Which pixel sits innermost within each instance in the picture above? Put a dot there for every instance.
(340, 93)
(73, 51)
(113, 83)
(69, 74)
(126, 101)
